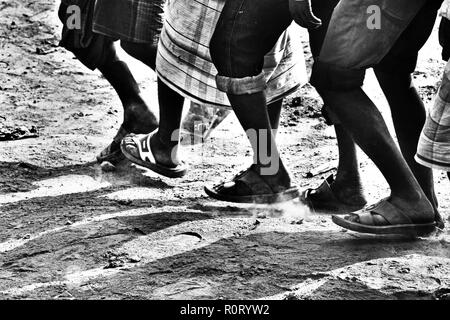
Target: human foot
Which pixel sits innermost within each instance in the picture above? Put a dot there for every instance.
(334, 197)
(137, 119)
(112, 153)
(165, 154)
(392, 216)
(148, 151)
(250, 186)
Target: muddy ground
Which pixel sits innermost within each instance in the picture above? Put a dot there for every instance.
(70, 231)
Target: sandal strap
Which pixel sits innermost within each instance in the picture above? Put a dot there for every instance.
(391, 213)
(324, 191)
(143, 144)
(325, 187)
(385, 209)
(366, 218)
(248, 179)
(254, 182)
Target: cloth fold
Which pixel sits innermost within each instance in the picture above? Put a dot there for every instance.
(87, 46)
(184, 62)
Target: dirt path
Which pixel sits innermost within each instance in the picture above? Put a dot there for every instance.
(70, 231)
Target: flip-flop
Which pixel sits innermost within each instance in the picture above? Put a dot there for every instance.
(113, 156)
(323, 199)
(147, 160)
(254, 189)
(398, 223)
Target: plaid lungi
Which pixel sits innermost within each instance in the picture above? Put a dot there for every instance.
(434, 144)
(138, 21)
(184, 63)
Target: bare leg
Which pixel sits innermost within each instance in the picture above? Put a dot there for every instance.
(166, 138)
(274, 111)
(137, 116)
(405, 103)
(251, 111)
(347, 186)
(170, 109)
(365, 124)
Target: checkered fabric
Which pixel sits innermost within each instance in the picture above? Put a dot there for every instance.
(184, 62)
(138, 21)
(434, 144)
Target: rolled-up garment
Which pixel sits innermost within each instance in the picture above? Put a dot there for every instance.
(434, 145)
(184, 62)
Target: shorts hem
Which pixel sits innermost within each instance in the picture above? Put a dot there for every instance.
(241, 86)
(431, 163)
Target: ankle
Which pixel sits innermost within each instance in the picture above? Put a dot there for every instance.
(347, 186)
(422, 206)
(164, 141)
(133, 103)
(348, 177)
(278, 179)
(138, 118)
(412, 197)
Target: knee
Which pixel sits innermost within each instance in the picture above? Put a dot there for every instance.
(238, 73)
(139, 50)
(109, 54)
(330, 77)
(330, 117)
(217, 49)
(233, 56)
(144, 52)
(393, 79)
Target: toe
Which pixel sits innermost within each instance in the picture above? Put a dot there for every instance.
(352, 218)
(130, 146)
(373, 219)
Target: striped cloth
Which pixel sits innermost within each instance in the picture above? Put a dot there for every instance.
(138, 21)
(434, 144)
(184, 63)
